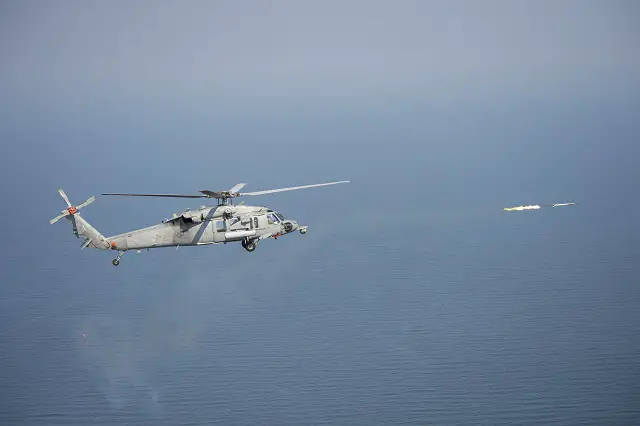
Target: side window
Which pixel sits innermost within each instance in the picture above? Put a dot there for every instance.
(250, 223)
(220, 226)
(255, 222)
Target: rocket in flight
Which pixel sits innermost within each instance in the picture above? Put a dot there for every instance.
(535, 207)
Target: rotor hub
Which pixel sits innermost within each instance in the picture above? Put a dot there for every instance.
(72, 210)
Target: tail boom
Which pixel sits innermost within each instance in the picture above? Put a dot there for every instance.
(94, 239)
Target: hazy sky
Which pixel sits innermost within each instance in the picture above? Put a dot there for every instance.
(121, 50)
(99, 79)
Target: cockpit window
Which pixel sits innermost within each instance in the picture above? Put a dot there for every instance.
(280, 216)
(273, 218)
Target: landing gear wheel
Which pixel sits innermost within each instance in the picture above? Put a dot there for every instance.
(116, 261)
(250, 246)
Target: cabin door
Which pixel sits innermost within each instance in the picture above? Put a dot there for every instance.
(218, 228)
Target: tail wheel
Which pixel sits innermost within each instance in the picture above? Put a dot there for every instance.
(116, 261)
(249, 246)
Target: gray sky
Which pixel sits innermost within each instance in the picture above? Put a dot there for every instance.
(118, 50)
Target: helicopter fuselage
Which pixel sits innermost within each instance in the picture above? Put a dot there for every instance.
(208, 225)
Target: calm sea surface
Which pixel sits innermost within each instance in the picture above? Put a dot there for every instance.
(413, 299)
(525, 318)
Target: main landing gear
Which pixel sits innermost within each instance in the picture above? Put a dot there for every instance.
(249, 245)
(116, 261)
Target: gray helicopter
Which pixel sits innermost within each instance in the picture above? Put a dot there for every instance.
(220, 224)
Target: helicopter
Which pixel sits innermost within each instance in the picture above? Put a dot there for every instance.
(223, 223)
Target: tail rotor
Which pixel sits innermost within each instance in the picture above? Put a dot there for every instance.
(71, 209)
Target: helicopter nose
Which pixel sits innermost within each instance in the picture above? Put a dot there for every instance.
(290, 226)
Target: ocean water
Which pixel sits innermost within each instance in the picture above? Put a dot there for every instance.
(413, 299)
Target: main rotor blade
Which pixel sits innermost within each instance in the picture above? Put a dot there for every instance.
(213, 194)
(86, 203)
(64, 196)
(237, 188)
(160, 195)
(271, 191)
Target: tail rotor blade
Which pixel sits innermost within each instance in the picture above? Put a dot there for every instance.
(57, 218)
(64, 196)
(86, 203)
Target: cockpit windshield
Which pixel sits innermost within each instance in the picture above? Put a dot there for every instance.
(275, 217)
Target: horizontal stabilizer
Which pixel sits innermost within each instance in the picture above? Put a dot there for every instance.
(86, 243)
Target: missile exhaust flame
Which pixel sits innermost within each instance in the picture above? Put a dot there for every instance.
(535, 207)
